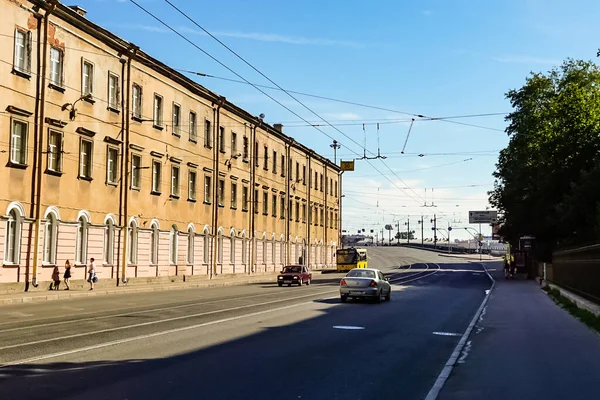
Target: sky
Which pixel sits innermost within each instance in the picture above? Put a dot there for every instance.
(445, 58)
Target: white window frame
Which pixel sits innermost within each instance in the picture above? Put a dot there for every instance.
(207, 134)
(193, 127)
(220, 247)
(232, 247)
(221, 193)
(190, 246)
(234, 195)
(87, 77)
(244, 198)
(55, 150)
(156, 176)
(132, 243)
(50, 232)
(244, 250)
(176, 122)
(81, 241)
(18, 142)
(173, 250)
(12, 245)
(175, 181)
(22, 52)
(207, 188)
(136, 171)
(109, 242)
(112, 166)
(233, 144)
(113, 91)
(136, 101)
(154, 239)
(86, 168)
(192, 184)
(206, 246)
(157, 110)
(56, 66)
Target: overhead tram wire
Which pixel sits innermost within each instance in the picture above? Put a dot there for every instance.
(263, 92)
(290, 95)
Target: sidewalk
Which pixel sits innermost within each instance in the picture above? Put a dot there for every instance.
(526, 347)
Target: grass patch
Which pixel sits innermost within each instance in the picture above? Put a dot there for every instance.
(584, 316)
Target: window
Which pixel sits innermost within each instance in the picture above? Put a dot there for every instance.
(321, 218)
(156, 176)
(12, 247)
(297, 171)
(192, 185)
(154, 244)
(245, 149)
(290, 210)
(132, 240)
(303, 213)
(244, 250)
(233, 195)
(281, 252)
(244, 198)
(112, 165)
(207, 134)
(275, 162)
(274, 205)
(193, 127)
(207, 189)
(18, 143)
(256, 154)
(55, 151)
(220, 247)
(336, 189)
(81, 241)
(222, 139)
(113, 91)
(109, 242)
(316, 181)
(221, 193)
(87, 78)
(190, 246)
(282, 208)
(283, 166)
(206, 244)
(176, 119)
(158, 111)
(22, 60)
(85, 159)
(175, 181)
(265, 203)
(136, 101)
(304, 175)
(321, 182)
(173, 245)
(256, 201)
(232, 259)
(266, 159)
(331, 219)
(136, 165)
(50, 239)
(56, 66)
(297, 211)
(234, 144)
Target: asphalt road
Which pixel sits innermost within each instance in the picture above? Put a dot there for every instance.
(255, 341)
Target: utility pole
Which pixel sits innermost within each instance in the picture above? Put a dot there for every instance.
(335, 145)
(422, 238)
(398, 225)
(408, 231)
(434, 221)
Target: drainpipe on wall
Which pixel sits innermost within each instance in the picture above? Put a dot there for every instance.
(125, 168)
(38, 153)
(252, 197)
(339, 221)
(215, 208)
(288, 223)
(326, 224)
(310, 213)
(122, 134)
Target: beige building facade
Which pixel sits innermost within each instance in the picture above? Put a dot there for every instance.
(109, 153)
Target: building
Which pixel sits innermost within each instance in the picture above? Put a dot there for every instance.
(109, 153)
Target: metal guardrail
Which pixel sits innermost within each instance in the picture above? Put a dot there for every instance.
(577, 270)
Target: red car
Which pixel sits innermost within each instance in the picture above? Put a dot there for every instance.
(294, 275)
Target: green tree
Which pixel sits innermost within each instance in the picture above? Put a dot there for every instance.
(553, 150)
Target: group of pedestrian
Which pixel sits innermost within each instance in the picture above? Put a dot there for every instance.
(92, 277)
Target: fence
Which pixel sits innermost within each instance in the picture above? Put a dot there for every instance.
(577, 270)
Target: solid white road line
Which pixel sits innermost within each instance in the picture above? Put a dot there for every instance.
(443, 377)
(151, 335)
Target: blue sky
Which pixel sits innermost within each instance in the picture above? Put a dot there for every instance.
(435, 58)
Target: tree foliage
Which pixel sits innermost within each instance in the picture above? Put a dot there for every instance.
(547, 178)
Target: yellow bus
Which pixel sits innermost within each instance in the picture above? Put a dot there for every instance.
(347, 259)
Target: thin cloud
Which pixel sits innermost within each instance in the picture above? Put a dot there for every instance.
(257, 36)
(515, 59)
(427, 13)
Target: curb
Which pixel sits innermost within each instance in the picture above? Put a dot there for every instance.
(447, 370)
(577, 300)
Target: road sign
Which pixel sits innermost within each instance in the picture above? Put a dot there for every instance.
(389, 227)
(347, 165)
(483, 217)
(449, 228)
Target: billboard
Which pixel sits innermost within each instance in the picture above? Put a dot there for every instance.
(347, 165)
(483, 217)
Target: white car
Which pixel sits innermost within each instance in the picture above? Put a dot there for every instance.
(367, 283)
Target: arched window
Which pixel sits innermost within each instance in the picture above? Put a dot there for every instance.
(206, 249)
(220, 247)
(154, 244)
(264, 250)
(173, 245)
(50, 231)
(13, 238)
(232, 247)
(132, 240)
(190, 245)
(244, 249)
(282, 252)
(273, 252)
(81, 240)
(109, 241)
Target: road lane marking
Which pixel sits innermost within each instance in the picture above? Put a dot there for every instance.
(119, 328)
(150, 335)
(445, 374)
(447, 334)
(349, 327)
(465, 353)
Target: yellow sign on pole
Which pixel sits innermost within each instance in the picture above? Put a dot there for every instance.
(347, 165)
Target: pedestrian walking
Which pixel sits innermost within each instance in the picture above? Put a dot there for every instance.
(92, 274)
(67, 274)
(55, 278)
